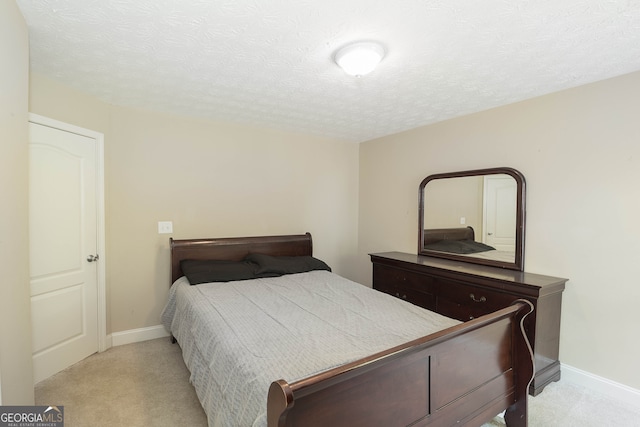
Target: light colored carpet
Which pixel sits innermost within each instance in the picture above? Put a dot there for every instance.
(147, 384)
(142, 384)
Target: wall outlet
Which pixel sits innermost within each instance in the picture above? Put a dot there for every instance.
(165, 227)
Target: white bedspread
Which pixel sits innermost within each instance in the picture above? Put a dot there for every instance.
(238, 337)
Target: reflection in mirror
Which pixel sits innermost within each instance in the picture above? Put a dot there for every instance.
(475, 216)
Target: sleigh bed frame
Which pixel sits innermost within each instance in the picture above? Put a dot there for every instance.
(463, 375)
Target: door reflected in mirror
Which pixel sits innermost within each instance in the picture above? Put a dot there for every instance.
(474, 216)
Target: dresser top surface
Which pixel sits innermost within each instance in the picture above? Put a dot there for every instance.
(505, 275)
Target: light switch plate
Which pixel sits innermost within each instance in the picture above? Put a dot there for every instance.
(165, 227)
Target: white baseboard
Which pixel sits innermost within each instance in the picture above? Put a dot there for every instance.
(617, 391)
(108, 343)
(137, 335)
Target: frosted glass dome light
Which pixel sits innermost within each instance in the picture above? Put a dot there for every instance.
(359, 59)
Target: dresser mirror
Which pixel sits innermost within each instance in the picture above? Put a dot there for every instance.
(474, 216)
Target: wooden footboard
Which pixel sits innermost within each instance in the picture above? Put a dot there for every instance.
(464, 375)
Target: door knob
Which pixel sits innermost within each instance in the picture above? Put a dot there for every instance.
(92, 258)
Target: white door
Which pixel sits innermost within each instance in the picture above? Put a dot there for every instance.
(63, 245)
(500, 212)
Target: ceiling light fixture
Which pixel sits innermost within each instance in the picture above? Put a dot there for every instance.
(359, 58)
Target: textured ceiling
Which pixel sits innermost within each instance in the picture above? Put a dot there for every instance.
(270, 62)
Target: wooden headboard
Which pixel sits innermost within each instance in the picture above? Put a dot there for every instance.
(236, 248)
(435, 235)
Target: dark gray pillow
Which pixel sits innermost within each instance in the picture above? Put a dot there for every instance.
(459, 246)
(268, 265)
(206, 271)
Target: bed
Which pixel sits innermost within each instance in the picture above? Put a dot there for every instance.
(464, 374)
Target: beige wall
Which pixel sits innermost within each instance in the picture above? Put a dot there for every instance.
(56, 101)
(211, 180)
(580, 155)
(16, 374)
(577, 149)
(445, 211)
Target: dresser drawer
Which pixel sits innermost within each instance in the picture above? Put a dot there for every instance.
(403, 278)
(466, 302)
(419, 298)
(412, 287)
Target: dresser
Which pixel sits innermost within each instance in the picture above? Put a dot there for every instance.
(465, 291)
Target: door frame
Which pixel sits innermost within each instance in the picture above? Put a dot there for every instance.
(100, 220)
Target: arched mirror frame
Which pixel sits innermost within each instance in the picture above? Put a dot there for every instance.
(518, 263)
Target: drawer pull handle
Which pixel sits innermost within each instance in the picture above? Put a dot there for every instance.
(474, 299)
